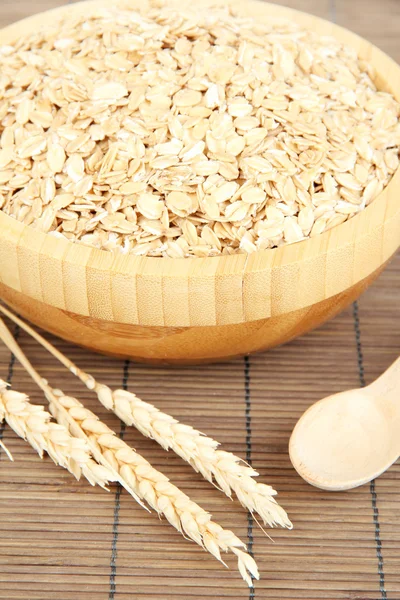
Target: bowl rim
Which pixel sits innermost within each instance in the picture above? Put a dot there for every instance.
(384, 208)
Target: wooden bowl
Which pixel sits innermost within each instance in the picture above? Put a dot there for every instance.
(194, 310)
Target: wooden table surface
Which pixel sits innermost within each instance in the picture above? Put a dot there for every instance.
(63, 540)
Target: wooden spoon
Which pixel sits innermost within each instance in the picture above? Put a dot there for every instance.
(348, 439)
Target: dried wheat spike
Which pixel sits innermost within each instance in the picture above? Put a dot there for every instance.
(225, 469)
(229, 472)
(155, 488)
(32, 423)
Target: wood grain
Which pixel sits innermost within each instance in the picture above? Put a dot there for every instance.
(180, 345)
(57, 535)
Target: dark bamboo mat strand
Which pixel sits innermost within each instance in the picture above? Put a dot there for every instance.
(64, 540)
(117, 506)
(372, 487)
(247, 399)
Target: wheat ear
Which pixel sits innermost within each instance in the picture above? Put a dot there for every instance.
(136, 473)
(13, 346)
(156, 489)
(227, 470)
(33, 424)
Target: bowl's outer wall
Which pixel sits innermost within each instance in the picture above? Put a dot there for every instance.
(233, 304)
(180, 345)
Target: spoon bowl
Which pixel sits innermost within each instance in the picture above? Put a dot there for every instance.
(350, 438)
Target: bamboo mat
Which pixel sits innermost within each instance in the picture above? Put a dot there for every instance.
(63, 540)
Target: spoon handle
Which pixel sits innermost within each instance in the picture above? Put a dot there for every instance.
(388, 386)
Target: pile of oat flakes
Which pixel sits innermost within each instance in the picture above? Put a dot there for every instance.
(189, 134)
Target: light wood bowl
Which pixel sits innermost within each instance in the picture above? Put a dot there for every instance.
(195, 310)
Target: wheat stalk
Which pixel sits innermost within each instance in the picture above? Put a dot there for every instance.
(136, 474)
(228, 471)
(156, 489)
(12, 344)
(33, 424)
